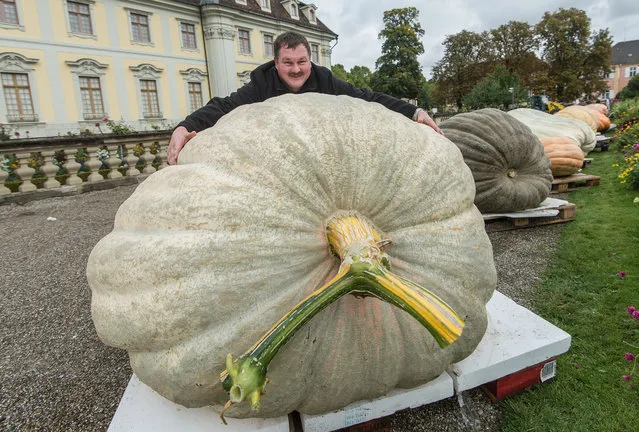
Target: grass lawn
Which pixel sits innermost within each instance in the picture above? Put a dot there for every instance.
(582, 293)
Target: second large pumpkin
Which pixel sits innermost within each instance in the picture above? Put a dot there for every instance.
(508, 162)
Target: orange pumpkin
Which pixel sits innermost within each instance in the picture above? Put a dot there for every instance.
(565, 156)
(581, 113)
(604, 121)
(603, 109)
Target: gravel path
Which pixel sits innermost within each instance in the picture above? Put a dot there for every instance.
(56, 375)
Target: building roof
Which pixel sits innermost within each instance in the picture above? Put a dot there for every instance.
(277, 11)
(626, 52)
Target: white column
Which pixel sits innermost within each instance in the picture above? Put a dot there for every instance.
(220, 47)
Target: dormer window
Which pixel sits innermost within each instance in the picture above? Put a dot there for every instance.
(265, 5)
(291, 7)
(242, 2)
(309, 12)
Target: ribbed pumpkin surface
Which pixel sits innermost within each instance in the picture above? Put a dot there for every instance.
(546, 125)
(206, 256)
(582, 113)
(508, 162)
(565, 156)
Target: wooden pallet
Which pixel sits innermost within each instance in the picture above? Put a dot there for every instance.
(504, 223)
(574, 182)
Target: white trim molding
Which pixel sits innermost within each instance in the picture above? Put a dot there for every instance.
(87, 67)
(20, 24)
(265, 5)
(146, 71)
(11, 62)
(195, 24)
(292, 7)
(148, 15)
(310, 11)
(244, 77)
(193, 75)
(70, 32)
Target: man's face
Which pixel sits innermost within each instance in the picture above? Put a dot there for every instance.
(293, 66)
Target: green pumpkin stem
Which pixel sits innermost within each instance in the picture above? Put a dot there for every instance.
(365, 270)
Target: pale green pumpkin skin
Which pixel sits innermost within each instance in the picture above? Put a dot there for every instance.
(508, 162)
(206, 256)
(545, 125)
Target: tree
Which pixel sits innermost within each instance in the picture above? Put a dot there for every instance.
(514, 46)
(631, 90)
(596, 65)
(575, 63)
(360, 76)
(398, 72)
(467, 59)
(494, 91)
(339, 71)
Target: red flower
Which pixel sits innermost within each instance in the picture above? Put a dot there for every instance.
(630, 357)
(627, 377)
(630, 309)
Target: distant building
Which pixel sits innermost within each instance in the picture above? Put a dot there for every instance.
(67, 64)
(624, 65)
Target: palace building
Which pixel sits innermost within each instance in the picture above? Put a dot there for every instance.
(67, 65)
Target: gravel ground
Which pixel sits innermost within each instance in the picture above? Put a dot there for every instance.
(55, 375)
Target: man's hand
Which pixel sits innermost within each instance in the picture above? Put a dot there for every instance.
(179, 138)
(424, 118)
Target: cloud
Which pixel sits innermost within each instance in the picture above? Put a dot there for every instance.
(358, 22)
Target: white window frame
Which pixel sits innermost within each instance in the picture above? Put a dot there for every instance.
(272, 36)
(294, 10)
(17, 63)
(317, 47)
(310, 12)
(265, 5)
(195, 33)
(70, 32)
(19, 25)
(193, 75)
(239, 42)
(632, 71)
(149, 20)
(87, 67)
(242, 2)
(244, 78)
(146, 71)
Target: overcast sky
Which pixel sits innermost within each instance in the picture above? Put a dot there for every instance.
(358, 22)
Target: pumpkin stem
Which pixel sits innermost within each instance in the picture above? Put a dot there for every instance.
(364, 270)
(512, 173)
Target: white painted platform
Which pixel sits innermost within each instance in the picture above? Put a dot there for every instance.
(143, 410)
(547, 208)
(515, 339)
(396, 400)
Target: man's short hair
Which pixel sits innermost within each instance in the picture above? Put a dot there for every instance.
(290, 40)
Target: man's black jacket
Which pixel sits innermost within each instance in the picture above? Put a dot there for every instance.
(265, 84)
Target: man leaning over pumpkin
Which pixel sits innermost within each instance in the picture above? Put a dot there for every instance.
(291, 71)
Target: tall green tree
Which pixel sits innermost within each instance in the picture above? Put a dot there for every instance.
(575, 59)
(468, 57)
(339, 71)
(398, 72)
(631, 90)
(500, 89)
(360, 76)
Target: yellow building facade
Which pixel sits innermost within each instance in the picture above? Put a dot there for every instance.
(66, 66)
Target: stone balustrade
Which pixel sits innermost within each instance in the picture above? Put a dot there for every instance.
(85, 165)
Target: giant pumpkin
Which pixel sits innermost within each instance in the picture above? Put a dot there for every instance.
(565, 156)
(545, 125)
(582, 113)
(266, 207)
(508, 162)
